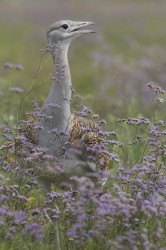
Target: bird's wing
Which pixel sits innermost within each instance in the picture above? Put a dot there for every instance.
(94, 145)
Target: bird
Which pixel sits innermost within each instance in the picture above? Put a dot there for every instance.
(59, 37)
(62, 132)
(74, 142)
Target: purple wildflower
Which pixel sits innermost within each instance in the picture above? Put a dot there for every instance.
(20, 217)
(16, 90)
(9, 65)
(19, 67)
(78, 96)
(34, 230)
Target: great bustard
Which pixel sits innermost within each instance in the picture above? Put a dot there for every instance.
(76, 129)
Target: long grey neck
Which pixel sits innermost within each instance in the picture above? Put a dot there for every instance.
(60, 92)
(56, 110)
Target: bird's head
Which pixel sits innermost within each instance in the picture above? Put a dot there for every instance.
(65, 31)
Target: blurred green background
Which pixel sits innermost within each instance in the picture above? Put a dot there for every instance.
(109, 68)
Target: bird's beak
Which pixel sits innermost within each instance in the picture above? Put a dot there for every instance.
(78, 28)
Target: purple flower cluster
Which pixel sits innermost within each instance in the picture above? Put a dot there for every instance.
(13, 66)
(34, 230)
(123, 208)
(157, 89)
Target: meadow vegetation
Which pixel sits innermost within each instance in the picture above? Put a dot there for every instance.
(120, 72)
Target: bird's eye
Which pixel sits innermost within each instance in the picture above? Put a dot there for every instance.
(65, 26)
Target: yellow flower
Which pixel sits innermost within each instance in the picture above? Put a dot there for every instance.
(30, 199)
(10, 159)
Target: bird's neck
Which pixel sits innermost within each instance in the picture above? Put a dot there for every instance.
(57, 104)
(60, 92)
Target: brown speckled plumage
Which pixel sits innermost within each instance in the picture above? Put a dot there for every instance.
(87, 131)
(29, 129)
